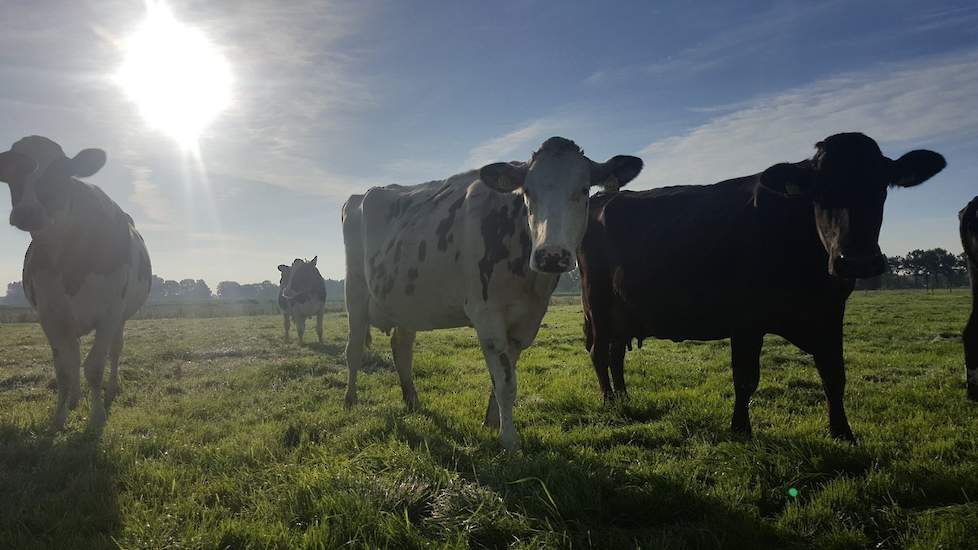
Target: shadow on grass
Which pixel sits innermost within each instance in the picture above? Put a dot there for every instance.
(570, 492)
(57, 491)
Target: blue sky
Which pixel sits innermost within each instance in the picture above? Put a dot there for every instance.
(331, 98)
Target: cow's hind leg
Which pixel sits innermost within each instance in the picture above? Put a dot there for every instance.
(95, 369)
(286, 321)
(616, 360)
(970, 338)
(600, 354)
(300, 327)
(745, 355)
(115, 351)
(402, 348)
(319, 325)
(357, 314)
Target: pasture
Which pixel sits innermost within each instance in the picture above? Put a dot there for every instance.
(227, 437)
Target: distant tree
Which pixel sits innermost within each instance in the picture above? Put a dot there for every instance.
(156, 290)
(229, 290)
(918, 263)
(944, 264)
(15, 294)
(171, 289)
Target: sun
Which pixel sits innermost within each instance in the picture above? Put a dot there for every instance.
(177, 78)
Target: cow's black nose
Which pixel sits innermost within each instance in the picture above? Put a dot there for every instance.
(552, 260)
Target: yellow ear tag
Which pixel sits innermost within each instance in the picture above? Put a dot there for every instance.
(792, 189)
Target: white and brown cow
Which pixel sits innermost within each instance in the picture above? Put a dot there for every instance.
(302, 294)
(483, 249)
(86, 267)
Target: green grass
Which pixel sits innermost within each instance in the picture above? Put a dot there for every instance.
(226, 436)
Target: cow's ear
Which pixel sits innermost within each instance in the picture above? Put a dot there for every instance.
(793, 181)
(916, 167)
(283, 268)
(504, 177)
(312, 262)
(15, 166)
(87, 162)
(616, 172)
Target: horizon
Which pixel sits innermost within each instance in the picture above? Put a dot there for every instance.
(329, 99)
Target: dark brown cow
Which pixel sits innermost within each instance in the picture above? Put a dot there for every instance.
(772, 253)
(969, 240)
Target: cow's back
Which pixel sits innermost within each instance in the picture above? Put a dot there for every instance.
(695, 262)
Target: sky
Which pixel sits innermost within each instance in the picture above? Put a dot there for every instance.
(332, 97)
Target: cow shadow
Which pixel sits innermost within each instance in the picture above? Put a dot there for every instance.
(567, 488)
(332, 349)
(59, 491)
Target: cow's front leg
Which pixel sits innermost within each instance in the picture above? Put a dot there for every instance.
(95, 369)
(300, 327)
(745, 354)
(67, 361)
(502, 370)
(285, 324)
(832, 370)
(115, 351)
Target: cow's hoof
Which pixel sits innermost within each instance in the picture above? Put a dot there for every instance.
(742, 428)
(511, 445)
(96, 420)
(58, 420)
(844, 434)
(73, 400)
(413, 404)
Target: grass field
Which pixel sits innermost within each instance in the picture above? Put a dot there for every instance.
(226, 436)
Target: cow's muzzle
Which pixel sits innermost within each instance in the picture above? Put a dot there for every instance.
(849, 266)
(552, 260)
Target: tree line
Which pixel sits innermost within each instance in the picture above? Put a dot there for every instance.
(924, 269)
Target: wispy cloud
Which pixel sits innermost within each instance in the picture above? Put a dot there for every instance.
(899, 105)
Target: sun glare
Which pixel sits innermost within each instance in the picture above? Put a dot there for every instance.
(177, 78)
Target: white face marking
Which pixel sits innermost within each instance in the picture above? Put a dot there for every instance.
(556, 192)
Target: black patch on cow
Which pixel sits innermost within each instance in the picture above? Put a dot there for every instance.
(458, 254)
(398, 207)
(445, 225)
(507, 367)
(412, 274)
(397, 251)
(518, 266)
(496, 227)
(422, 250)
(409, 289)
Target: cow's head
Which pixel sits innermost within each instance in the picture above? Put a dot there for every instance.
(555, 184)
(39, 174)
(847, 181)
(298, 279)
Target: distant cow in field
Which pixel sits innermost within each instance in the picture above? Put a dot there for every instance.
(969, 240)
(484, 248)
(772, 253)
(302, 294)
(86, 267)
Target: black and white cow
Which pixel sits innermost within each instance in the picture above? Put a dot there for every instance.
(302, 294)
(483, 249)
(86, 267)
